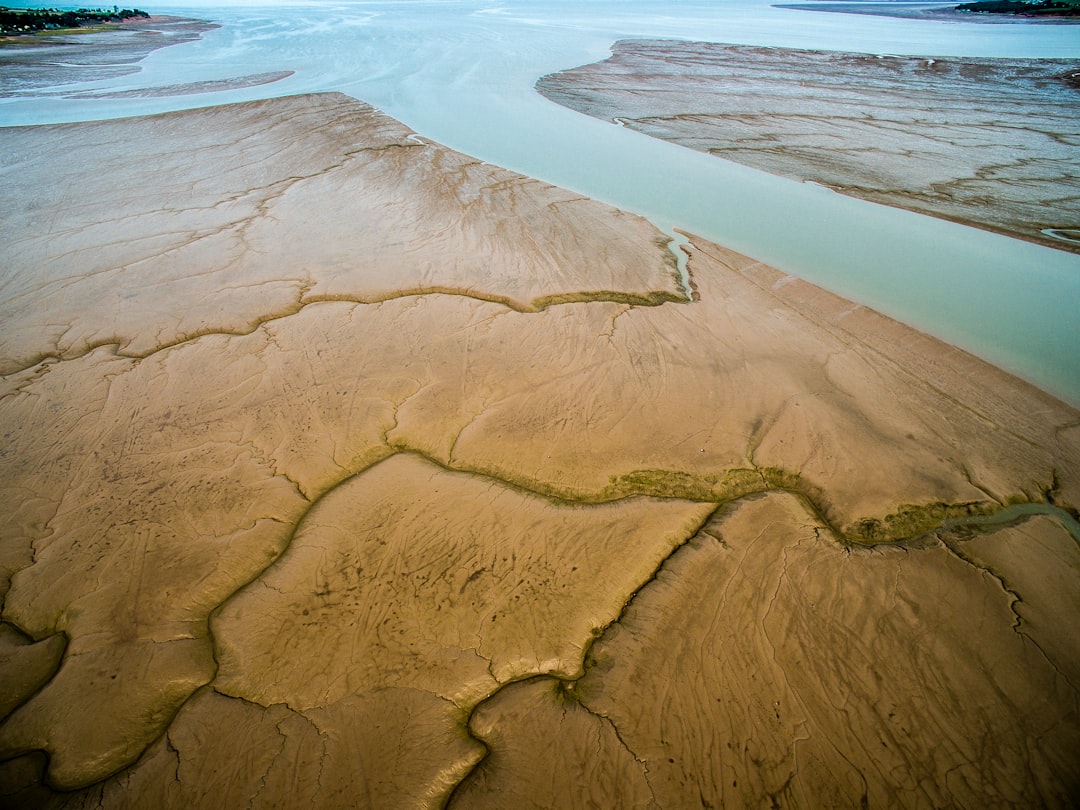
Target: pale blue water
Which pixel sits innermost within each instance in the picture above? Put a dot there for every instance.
(462, 73)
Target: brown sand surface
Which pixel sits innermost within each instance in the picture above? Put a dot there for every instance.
(343, 470)
(164, 256)
(988, 142)
(805, 675)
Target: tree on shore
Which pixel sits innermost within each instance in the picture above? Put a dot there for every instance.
(1025, 8)
(27, 21)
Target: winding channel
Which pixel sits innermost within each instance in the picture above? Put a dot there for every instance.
(1015, 514)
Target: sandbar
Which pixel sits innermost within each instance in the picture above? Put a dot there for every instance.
(342, 469)
(985, 142)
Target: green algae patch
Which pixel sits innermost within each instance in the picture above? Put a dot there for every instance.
(732, 484)
(653, 298)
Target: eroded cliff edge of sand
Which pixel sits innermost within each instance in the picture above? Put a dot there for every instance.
(985, 142)
(342, 467)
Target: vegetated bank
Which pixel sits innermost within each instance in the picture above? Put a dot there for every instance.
(1025, 8)
(32, 20)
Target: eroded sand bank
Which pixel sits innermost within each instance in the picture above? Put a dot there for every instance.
(340, 469)
(986, 142)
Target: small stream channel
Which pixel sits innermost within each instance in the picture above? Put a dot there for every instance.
(1014, 515)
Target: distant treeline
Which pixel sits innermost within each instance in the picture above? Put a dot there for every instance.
(24, 21)
(1039, 8)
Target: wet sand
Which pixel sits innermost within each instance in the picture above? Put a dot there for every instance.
(984, 142)
(190, 88)
(342, 469)
(43, 64)
(30, 63)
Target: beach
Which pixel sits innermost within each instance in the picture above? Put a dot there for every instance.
(343, 469)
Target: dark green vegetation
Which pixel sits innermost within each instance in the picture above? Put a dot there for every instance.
(29, 20)
(1039, 8)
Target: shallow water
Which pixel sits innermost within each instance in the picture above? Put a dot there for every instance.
(462, 73)
(1016, 514)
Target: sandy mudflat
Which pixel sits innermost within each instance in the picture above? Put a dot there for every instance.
(190, 88)
(986, 142)
(343, 470)
(36, 65)
(30, 63)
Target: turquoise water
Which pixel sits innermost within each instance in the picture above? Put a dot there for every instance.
(462, 73)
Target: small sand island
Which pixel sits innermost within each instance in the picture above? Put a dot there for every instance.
(342, 469)
(986, 142)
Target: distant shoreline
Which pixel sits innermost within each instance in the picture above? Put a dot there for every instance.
(59, 57)
(16, 22)
(927, 11)
(1053, 9)
(53, 59)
